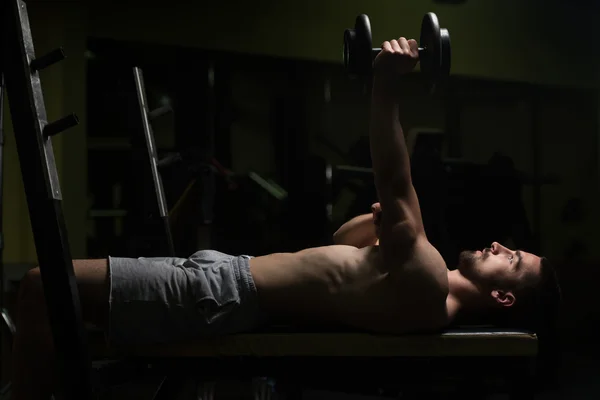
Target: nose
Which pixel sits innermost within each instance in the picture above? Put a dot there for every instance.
(497, 248)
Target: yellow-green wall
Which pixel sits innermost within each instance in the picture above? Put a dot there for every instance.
(539, 41)
(547, 42)
(53, 24)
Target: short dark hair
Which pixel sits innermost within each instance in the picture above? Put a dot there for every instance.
(542, 316)
(538, 305)
(536, 309)
(538, 300)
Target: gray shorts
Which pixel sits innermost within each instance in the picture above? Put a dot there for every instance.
(159, 300)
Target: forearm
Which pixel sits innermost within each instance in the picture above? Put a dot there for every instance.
(358, 232)
(401, 223)
(389, 154)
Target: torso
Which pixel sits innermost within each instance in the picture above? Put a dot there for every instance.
(335, 285)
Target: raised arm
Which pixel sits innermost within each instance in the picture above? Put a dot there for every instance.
(401, 223)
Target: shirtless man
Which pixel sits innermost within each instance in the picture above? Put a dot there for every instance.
(397, 286)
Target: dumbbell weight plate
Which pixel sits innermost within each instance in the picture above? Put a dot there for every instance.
(431, 57)
(357, 48)
(446, 55)
(434, 50)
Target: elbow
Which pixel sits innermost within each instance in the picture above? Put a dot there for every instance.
(337, 237)
(342, 236)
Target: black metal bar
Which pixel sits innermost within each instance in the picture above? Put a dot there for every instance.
(1, 187)
(7, 319)
(152, 155)
(223, 110)
(61, 125)
(159, 112)
(169, 160)
(169, 235)
(169, 388)
(42, 189)
(211, 104)
(9, 324)
(47, 60)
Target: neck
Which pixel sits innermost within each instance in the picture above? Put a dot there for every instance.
(464, 296)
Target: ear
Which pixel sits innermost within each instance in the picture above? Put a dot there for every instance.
(504, 299)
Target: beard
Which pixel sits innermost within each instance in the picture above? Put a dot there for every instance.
(467, 261)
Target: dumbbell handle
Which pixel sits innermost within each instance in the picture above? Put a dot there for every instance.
(377, 50)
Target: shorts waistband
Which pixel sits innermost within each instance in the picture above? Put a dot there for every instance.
(241, 268)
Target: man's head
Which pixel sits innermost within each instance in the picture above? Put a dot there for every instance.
(517, 290)
(504, 277)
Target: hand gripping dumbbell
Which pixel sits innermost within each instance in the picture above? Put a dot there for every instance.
(434, 50)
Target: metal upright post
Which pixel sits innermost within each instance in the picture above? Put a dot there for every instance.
(2, 310)
(40, 178)
(146, 115)
(1, 187)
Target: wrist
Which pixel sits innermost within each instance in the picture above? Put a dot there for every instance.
(385, 90)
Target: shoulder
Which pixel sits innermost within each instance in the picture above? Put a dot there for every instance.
(425, 267)
(427, 256)
(419, 253)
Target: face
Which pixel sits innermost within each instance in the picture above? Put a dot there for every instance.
(497, 269)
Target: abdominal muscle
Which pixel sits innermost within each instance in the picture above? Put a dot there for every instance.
(345, 285)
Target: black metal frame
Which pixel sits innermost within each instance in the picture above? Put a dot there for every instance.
(146, 115)
(8, 326)
(465, 376)
(40, 178)
(6, 320)
(2, 85)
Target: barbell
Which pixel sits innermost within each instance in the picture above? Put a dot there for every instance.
(434, 50)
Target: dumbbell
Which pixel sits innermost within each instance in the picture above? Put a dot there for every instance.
(434, 50)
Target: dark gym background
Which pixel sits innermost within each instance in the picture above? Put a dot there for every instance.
(523, 93)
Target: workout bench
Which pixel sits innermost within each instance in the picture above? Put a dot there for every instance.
(455, 360)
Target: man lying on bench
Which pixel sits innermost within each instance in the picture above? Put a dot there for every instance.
(399, 285)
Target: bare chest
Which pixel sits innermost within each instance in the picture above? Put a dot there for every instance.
(397, 304)
(403, 298)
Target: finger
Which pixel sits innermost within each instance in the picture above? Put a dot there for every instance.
(414, 46)
(395, 46)
(404, 45)
(387, 46)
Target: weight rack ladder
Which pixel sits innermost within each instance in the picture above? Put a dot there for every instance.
(33, 136)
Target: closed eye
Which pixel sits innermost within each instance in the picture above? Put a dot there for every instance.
(519, 259)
